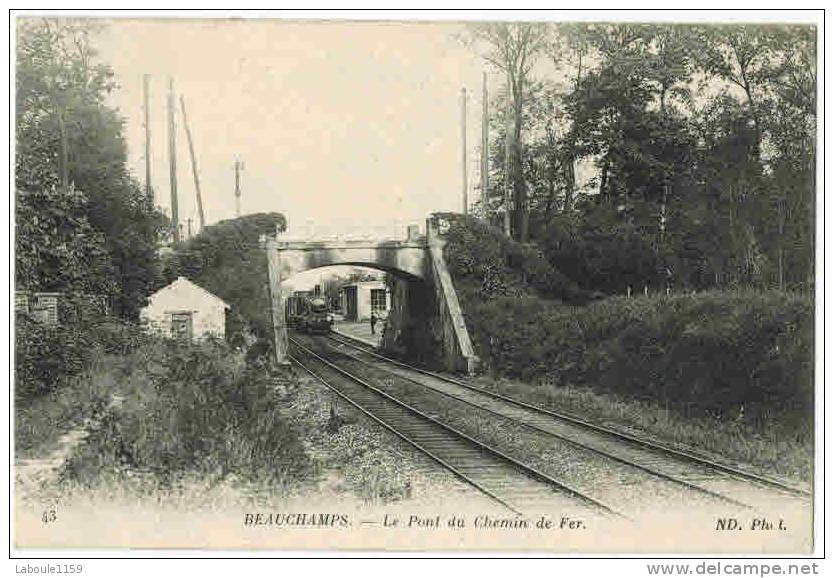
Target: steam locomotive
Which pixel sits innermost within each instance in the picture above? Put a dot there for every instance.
(309, 314)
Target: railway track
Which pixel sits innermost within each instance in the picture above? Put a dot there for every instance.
(699, 475)
(515, 485)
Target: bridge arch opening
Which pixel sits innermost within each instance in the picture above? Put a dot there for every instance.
(306, 276)
(402, 303)
(425, 316)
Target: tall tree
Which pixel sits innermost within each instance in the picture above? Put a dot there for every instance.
(774, 67)
(682, 123)
(69, 141)
(569, 51)
(513, 48)
(745, 57)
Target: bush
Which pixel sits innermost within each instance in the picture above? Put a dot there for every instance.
(481, 259)
(744, 355)
(192, 409)
(47, 357)
(602, 251)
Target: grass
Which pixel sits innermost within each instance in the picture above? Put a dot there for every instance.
(780, 450)
(41, 421)
(191, 410)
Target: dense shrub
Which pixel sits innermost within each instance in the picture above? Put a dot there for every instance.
(192, 409)
(482, 259)
(746, 355)
(47, 357)
(601, 251)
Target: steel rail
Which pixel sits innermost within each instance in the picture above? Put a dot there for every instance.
(407, 439)
(682, 454)
(525, 468)
(561, 437)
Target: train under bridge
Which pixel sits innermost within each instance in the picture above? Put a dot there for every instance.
(425, 301)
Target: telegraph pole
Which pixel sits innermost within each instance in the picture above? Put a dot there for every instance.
(146, 82)
(193, 165)
(172, 154)
(507, 176)
(465, 182)
(238, 167)
(64, 167)
(484, 145)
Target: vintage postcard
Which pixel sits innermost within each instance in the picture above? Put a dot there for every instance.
(417, 286)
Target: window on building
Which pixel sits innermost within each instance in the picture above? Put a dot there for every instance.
(378, 300)
(21, 302)
(45, 308)
(182, 326)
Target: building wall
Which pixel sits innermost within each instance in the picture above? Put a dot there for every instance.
(363, 303)
(54, 308)
(208, 313)
(359, 295)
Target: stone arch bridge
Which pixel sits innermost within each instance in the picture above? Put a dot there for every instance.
(406, 258)
(417, 259)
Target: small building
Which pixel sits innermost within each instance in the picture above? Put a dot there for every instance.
(358, 300)
(184, 310)
(43, 307)
(56, 308)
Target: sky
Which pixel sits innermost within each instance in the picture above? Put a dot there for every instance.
(345, 127)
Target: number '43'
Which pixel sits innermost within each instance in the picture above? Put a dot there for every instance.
(49, 516)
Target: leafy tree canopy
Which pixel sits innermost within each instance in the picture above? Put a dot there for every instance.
(83, 222)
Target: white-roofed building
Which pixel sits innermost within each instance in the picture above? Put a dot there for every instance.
(184, 310)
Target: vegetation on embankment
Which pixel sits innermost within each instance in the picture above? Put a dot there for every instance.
(203, 424)
(183, 411)
(52, 388)
(85, 225)
(485, 264)
(730, 356)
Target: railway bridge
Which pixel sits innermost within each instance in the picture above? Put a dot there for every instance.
(425, 294)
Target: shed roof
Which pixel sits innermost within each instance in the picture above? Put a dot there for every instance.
(183, 283)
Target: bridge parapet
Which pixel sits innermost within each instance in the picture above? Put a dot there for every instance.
(346, 243)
